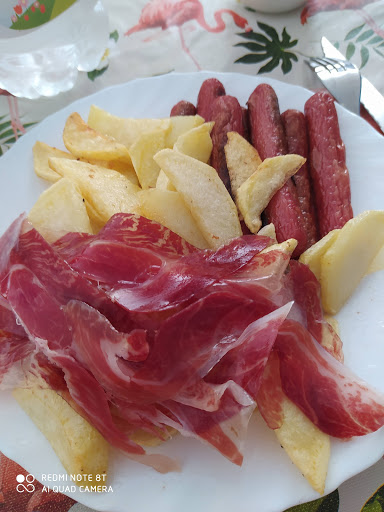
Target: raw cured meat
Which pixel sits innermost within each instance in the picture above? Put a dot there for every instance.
(140, 331)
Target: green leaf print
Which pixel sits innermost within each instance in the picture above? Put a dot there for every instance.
(329, 503)
(96, 72)
(39, 12)
(268, 46)
(354, 32)
(7, 135)
(364, 53)
(350, 50)
(375, 502)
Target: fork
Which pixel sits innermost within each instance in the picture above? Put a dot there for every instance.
(342, 79)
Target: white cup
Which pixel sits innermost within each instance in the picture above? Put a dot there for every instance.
(273, 6)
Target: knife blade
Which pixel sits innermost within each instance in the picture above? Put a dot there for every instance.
(370, 97)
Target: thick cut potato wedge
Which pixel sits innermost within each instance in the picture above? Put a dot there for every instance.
(255, 193)
(378, 262)
(41, 154)
(142, 152)
(105, 190)
(242, 160)
(180, 125)
(313, 256)
(168, 208)
(59, 210)
(124, 168)
(348, 259)
(85, 142)
(204, 194)
(196, 143)
(307, 447)
(78, 445)
(124, 130)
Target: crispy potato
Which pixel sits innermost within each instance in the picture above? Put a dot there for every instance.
(168, 208)
(255, 193)
(307, 447)
(58, 210)
(313, 256)
(268, 230)
(78, 445)
(180, 125)
(41, 153)
(105, 190)
(204, 194)
(124, 130)
(196, 143)
(163, 182)
(348, 259)
(124, 168)
(287, 247)
(142, 152)
(85, 142)
(242, 160)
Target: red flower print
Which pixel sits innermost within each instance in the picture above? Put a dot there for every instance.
(42, 8)
(18, 9)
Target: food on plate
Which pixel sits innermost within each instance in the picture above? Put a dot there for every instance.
(168, 208)
(210, 90)
(205, 195)
(242, 160)
(296, 133)
(268, 137)
(257, 191)
(329, 172)
(80, 447)
(183, 108)
(84, 142)
(196, 142)
(105, 191)
(344, 264)
(227, 115)
(60, 209)
(41, 154)
(171, 318)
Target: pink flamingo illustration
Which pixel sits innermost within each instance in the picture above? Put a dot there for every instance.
(13, 113)
(314, 6)
(175, 13)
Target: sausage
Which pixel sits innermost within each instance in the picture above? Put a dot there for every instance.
(227, 115)
(268, 137)
(210, 89)
(183, 108)
(295, 128)
(327, 163)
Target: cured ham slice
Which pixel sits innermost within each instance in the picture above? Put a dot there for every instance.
(327, 392)
(139, 331)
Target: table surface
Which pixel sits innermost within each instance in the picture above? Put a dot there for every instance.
(356, 27)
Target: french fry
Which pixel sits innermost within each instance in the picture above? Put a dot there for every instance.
(85, 142)
(105, 190)
(41, 154)
(168, 208)
(180, 125)
(287, 247)
(59, 210)
(344, 264)
(255, 193)
(124, 130)
(268, 230)
(196, 143)
(142, 152)
(78, 445)
(314, 254)
(163, 182)
(242, 160)
(204, 194)
(307, 447)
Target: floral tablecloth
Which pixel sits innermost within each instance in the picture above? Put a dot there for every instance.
(152, 37)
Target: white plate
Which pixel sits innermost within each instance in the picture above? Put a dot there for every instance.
(208, 482)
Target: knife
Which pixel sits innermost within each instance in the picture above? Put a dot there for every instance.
(370, 97)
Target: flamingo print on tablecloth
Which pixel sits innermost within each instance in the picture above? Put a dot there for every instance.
(314, 6)
(13, 113)
(175, 13)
